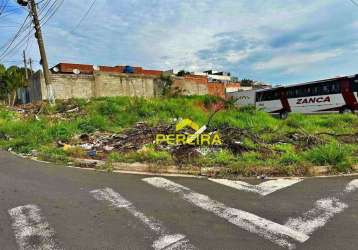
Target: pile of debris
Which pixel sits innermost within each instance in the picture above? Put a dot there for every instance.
(64, 110)
(132, 139)
(99, 144)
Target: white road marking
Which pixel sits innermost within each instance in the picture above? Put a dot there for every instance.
(317, 217)
(321, 213)
(165, 241)
(32, 231)
(263, 189)
(352, 186)
(279, 234)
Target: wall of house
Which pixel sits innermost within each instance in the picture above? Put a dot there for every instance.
(98, 84)
(198, 85)
(37, 87)
(189, 86)
(124, 85)
(101, 84)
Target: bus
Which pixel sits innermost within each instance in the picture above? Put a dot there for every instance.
(324, 96)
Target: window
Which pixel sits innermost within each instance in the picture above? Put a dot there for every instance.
(268, 96)
(335, 88)
(325, 89)
(307, 90)
(355, 86)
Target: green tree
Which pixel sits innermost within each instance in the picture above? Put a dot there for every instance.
(2, 84)
(10, 80)
(247, 82)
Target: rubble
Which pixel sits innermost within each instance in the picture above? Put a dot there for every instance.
(131, 139)
(64, 110)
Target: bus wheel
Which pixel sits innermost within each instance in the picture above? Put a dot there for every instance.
(284, 115)
(346, 111)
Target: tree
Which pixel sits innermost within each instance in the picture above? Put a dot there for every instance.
(247, 82)
(10, 80)
(183, 73)
(2, 74)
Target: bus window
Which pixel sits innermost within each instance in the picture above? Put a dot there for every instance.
(269, 95)
(291, 93)
(308, 91)
(335, 88)
(355, 85)
(325, 89)
(258, 97)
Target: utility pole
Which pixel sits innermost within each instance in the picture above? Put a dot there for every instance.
(30, 62)
(38, 35)
(25, 64)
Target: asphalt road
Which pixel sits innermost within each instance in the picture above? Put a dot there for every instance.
(53, 207)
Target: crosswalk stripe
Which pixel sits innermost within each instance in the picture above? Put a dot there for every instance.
(352, 186)
(263, 189)
(32, 231)
(322, 212)
(166, 241)
(279, 234)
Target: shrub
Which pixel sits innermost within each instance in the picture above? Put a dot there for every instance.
(93, 123)
(62, 131)
(334, 154)
(290, 158)
(51, 154)
(147, 154)
(76, 152)
(222, 158)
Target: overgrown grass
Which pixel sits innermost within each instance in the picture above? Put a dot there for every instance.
(115, 114)
(148, 155)
(334, 154)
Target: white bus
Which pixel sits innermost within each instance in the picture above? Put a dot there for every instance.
(325, 96)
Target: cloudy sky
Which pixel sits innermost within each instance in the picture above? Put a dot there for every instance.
(274, 41)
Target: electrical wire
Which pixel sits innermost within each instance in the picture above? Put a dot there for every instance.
(4, 6)
(44, 10)
(354, 2)
(17, 38)
(52, 10)
(26, 31)
(84, 16)
(24, 24)
(21, 43)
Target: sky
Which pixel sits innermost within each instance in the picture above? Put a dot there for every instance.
(273, 41)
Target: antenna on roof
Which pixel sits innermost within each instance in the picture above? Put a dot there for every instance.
(76, 71)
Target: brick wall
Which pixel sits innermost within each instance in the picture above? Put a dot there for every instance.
(99, 84)
(216, 89)
(102, 83)
(68, 68)
(124, 85)
(197, 79)
(190, 86)
(199, 85)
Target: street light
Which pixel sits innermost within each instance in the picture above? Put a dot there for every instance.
(23, 2)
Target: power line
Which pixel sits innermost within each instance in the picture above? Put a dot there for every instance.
(14, 41)
(19, 44)
(84, 16)
(4, 7)
(44, 8)
(24, 24)
(50, 14)
(47, 9)
(354, 2)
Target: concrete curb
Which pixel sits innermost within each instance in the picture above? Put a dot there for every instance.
(194, 171)
(174, 171)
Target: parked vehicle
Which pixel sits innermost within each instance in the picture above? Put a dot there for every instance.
(332, 95)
